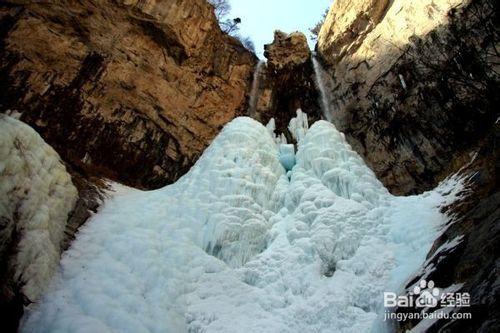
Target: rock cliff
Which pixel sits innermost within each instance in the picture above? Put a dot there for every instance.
(286, 82)
(466, 253)
(129, 90)
(415, 83)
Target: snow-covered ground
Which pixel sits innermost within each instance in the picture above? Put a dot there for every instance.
(241, 245)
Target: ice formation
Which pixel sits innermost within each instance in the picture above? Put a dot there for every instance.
(287, 156)
(36, 195)
(237, 245)
(299, 125)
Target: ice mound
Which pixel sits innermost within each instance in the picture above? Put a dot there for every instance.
(237, 245)
(36, 195)
(326, 155)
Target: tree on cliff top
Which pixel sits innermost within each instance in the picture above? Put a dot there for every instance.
(247, 43)
(222, 8)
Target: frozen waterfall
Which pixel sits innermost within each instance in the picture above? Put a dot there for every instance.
(320, 78)
(254, 92)
(241, 245)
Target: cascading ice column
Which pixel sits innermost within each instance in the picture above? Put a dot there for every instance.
(238, 176)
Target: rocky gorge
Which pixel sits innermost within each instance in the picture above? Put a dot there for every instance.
(135, 91)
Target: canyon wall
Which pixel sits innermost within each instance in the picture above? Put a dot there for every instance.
(415, 83)
(128, 90)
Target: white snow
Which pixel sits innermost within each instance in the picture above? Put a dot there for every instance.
(240, 245)
(36, 195)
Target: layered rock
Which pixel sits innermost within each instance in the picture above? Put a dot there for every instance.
(130, 90)
(36, 198)
(415, 83)
(287, 81)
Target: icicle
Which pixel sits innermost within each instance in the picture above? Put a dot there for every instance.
(278, 139)
(281, 139)
(271, 127)
(287, 156)
(299, 125)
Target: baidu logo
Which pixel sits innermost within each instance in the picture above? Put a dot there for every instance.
(426, 295)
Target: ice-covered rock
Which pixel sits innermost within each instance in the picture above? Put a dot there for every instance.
(238, 245)
(36, 195)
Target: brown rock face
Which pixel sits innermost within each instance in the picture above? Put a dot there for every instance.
(130, 90)
(348, 24)
(287, 81)
(415, 83)
(287, 51)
